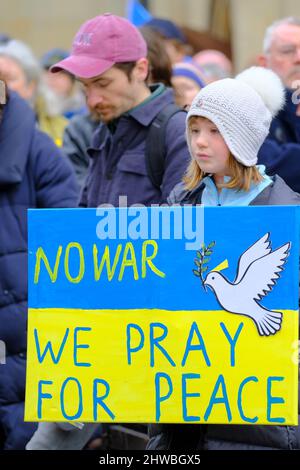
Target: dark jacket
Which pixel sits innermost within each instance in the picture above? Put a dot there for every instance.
(227, 437)
(33, 173)
(119, 165)
(280, 152)
(76, 141)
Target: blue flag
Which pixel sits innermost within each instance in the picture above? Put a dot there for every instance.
(137, 14)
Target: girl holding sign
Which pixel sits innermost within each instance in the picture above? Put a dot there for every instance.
(226, 125)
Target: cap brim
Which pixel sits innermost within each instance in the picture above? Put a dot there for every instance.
(82, 66)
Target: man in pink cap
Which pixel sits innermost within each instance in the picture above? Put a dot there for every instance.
(109, 58)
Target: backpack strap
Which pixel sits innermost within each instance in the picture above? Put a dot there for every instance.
(155, 150)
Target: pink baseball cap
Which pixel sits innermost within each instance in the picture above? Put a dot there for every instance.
(100, 43)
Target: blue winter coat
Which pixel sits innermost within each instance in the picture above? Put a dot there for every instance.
(280, 152)
(33, 173)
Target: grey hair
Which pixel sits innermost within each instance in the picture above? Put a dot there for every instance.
(268, 38)
(22, 54)
(24, 57)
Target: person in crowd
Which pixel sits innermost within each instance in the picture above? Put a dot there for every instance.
(224, 136)
(160, 67)
(33, 174)
(79, 132)
(77, 139)
(69, 95)
(114, 76)
(187, 81)
(4, 38)
(281, 53)
(214, 64)
(23, 74)
(173, 38)
(281, 50)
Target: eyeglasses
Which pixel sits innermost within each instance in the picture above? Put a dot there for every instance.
(288, 51)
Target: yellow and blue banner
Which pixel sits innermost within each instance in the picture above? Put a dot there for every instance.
(163, 315)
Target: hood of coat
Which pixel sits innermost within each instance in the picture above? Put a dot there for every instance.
(16, 133)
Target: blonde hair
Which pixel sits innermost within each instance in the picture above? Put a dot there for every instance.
(241, 179)
(241, 176)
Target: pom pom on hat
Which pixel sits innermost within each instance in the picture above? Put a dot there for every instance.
(267, 84)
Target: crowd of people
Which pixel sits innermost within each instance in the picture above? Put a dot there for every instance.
(84, 141)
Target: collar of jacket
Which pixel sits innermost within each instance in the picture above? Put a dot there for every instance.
(138, 112)
(194, 196)
(289, 110)
(16, 129)
(233, 197)
(160, 97)
(144, 114)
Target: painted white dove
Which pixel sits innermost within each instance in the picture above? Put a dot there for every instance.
(257, 273)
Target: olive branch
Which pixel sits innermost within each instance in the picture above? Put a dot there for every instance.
(202, 260)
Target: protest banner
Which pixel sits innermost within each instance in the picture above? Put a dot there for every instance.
(163, 315)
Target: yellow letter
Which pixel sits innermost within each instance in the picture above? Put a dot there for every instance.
(77, 279)
(147, 259)
(105, 259)
(129, 262)
(40, 254)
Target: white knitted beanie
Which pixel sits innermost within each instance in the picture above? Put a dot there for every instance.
(242, 109)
